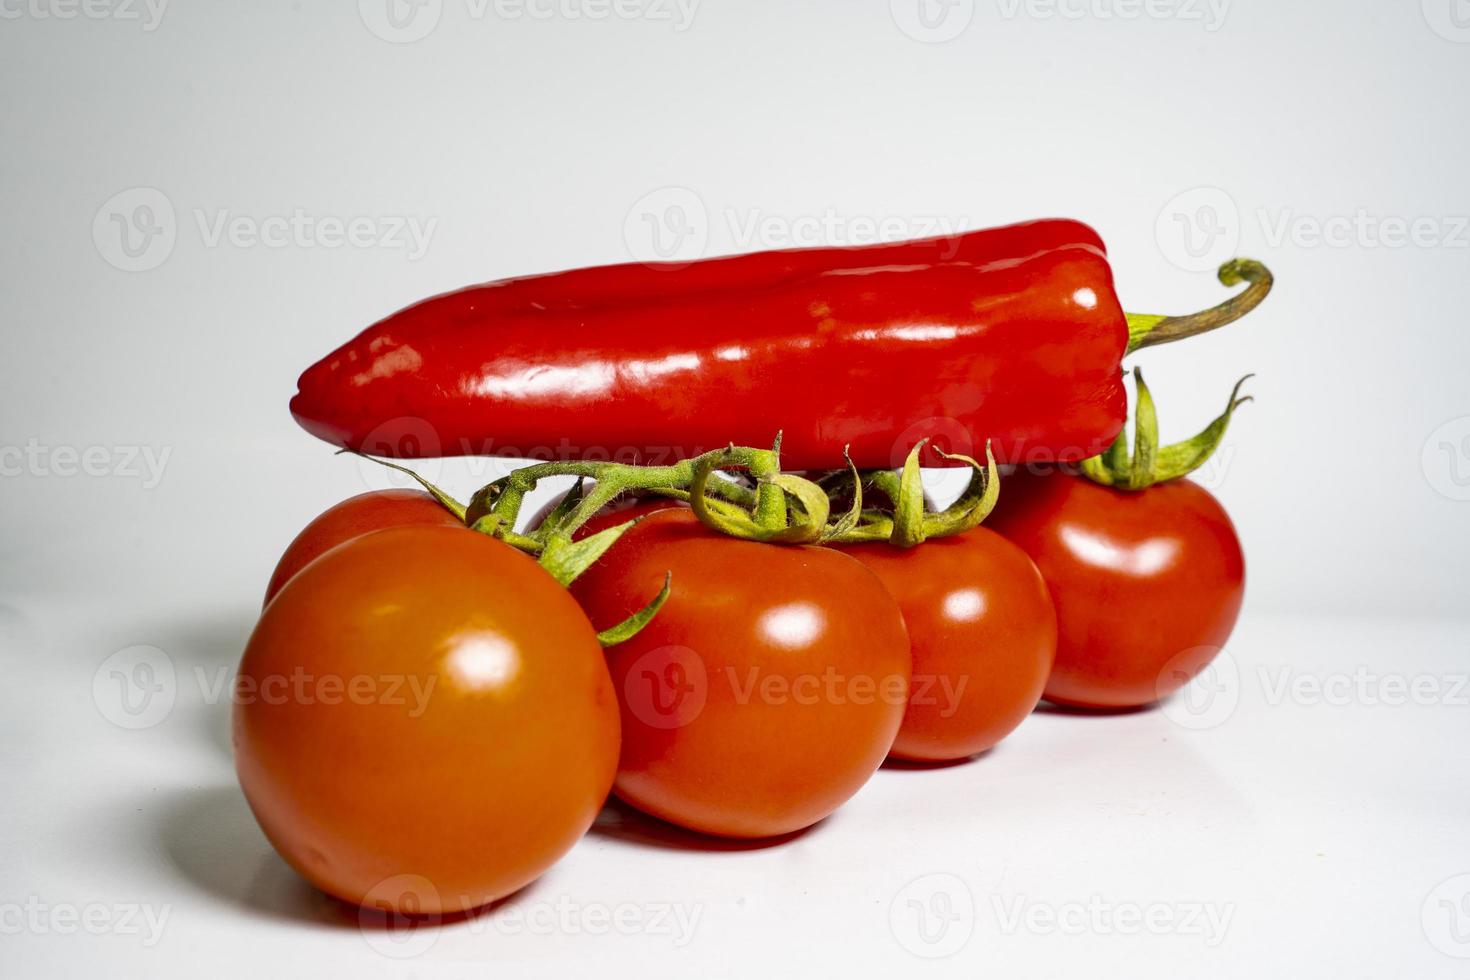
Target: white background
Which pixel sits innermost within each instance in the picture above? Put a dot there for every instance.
(523, 137)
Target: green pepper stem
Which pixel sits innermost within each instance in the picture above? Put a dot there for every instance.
(1148, 330)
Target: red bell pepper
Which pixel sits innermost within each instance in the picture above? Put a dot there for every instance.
(1013, 334)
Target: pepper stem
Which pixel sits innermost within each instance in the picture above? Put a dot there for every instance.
(1148, 330)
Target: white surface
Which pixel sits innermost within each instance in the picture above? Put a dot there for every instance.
(1313, 806)
(523, 144)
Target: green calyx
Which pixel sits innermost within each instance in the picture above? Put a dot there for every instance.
(910, 523)
(563, 558)
(1149, 330)
(1150, 463)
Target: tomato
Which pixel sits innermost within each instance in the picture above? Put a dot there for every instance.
(353, 517)
(767, 690)
(1147, 584)
(984, 634)
(424, 721)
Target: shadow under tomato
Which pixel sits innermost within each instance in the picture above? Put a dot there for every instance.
(1052, 708)
(211, 838)
(627, 824)
(206, 652)
(917, 765)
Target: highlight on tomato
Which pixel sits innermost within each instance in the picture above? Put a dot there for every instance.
(424, 704)
(1144, 566)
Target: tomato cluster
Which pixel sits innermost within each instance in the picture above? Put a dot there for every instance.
(770, 685)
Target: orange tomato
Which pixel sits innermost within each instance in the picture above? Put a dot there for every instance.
(354, 517)
(424, 705)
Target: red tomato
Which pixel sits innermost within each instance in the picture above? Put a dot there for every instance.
(768, 688)
(1147, 584)
(424, 721)
(353, 517)
(984, 635)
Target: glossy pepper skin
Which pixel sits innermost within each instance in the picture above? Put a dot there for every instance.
(1013, 334)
